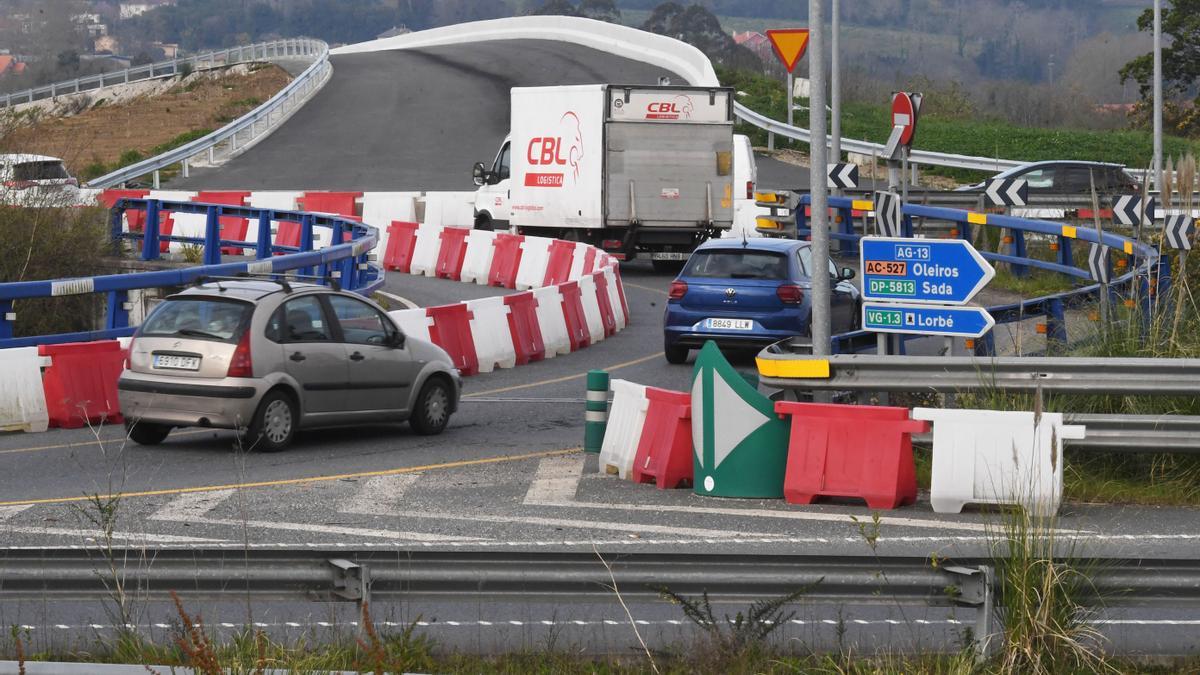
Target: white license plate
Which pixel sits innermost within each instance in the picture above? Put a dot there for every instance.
(669, 255)
(173, 362)
(731, 324)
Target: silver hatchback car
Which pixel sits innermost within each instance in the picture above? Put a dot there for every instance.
(267, 358)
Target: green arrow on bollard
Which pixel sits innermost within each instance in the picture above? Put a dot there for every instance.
(739, 443)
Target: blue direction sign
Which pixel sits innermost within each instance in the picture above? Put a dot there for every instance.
(971, 322)
(941, 271)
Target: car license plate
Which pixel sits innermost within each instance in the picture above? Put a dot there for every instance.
(669, 255)
(731, 324)
(174, 362)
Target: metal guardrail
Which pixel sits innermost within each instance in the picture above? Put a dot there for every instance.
(876, 149)
(214, 59)
(1138, 433)
(347, 262)
(240, 133)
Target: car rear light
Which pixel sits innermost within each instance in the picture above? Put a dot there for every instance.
(790, 294)
(19, 184)
(678, 289)
(240, 365)
(749, 189)
(73, 181)
(610, 244)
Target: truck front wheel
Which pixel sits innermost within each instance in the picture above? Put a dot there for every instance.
(483, 221)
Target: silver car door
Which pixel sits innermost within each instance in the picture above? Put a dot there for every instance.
(312, 356)
(381, 372)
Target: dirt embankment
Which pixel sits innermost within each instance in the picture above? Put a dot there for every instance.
(99, 131)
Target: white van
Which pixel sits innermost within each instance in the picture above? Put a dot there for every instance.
(36, 180)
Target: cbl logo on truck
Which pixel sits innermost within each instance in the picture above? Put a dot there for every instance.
(680, 108)
(549, 151)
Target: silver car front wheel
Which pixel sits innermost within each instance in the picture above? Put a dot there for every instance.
(274, 423)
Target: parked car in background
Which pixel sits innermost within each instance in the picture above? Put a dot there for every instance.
(751, 293)
(1068, 177)
(267, 358)
(36, 180)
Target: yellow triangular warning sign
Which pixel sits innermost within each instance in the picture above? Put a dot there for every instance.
(789, 45)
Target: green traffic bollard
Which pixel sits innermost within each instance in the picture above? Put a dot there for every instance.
(596, 417)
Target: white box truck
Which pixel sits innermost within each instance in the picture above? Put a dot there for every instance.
(634, 169)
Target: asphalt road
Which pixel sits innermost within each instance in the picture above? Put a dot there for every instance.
(411, 119)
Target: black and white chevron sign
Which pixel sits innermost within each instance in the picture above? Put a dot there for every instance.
(887, 214)
(1098, 263)
(1007, 192)
(1179, 232)
(1128, 210)
(842, 176)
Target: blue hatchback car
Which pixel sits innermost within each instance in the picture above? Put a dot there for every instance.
(751, 293)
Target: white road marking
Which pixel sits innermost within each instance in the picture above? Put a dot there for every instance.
(408, 304)
(7, 512)
(189, 505)
(332, 529)
(381, 495)
(556, 479)
(96, 535)
(719, 535)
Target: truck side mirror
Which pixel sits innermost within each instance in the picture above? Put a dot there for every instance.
(478, 174)
(847, 273)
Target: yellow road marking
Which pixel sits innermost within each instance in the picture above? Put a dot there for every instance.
(64, 446)
(297, 481)
(565, 378)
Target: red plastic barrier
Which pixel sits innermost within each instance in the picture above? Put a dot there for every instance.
(506, 260)
(606, 310)
(402, 239)
(558, 266)
(232, 227)
(850, 451)
(451, 330)
(81, 382)
(664, 452)
(621, 294)
(1089, 214)
(589, 260)
(524, 327)
(452, 252)
(340, 203)
(572, 303)
(136, 219)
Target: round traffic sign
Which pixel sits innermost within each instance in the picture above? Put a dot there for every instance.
(903, 115)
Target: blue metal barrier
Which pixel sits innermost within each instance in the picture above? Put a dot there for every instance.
(347, 262)
(1147, 264)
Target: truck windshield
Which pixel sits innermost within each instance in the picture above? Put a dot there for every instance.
(737, 264)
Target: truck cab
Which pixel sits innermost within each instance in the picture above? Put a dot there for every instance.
(492, 197)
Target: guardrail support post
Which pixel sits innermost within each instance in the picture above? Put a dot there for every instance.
(1064, 252)
(7, 317)
(186, 173)
(150, 236)
(306, 239)
(1056, 326)
(1018, 250)
(846, 228)
(801, 218)
(263, 248)
(117, 314)
(156, 182)
(212, 236)
(986, 345)
(115, 219)
(906, 227)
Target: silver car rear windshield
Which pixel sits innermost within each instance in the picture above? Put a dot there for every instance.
(737, 264)
(204, 318)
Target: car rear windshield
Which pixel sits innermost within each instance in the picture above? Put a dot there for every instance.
(40, 171)
(737, 264)
(204, 318)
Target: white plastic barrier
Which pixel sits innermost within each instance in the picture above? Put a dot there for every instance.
(425, 250)
(183, 224)
(577, 258)
(478, 259)
(997, 457)
(591, 308)
(535, 255)
(22, 399)
(278, 200)
(614, 297)
(551, 321)
(626, 417)
(413, 322)
(491, 333)
(379, 209)
(451, 209)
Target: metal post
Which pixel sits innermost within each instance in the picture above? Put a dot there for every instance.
(117, 315)
(791, 101)
(156, 181)
(820, 328)
(263, 248)
(1158, 102)
(835, 83)
(595, 417)
(7, 318)
(150, 233)
(212, 236)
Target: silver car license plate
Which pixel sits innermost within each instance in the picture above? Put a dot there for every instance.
(731, 324)
(176, 362)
